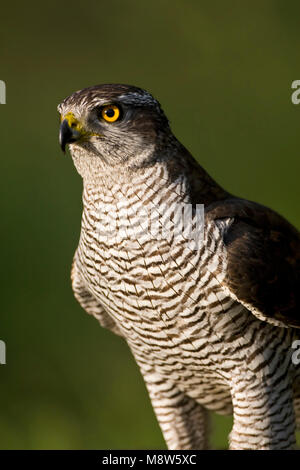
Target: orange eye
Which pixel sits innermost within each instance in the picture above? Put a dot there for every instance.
(110, 113)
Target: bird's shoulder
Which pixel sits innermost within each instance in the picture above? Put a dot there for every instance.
(263, 259)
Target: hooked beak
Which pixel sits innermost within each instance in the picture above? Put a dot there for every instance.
(70, 131)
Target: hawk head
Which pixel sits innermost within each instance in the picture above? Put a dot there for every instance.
(112, 126)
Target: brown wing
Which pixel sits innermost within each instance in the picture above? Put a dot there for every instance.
(263, 249)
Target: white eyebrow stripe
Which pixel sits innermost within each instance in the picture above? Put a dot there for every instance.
(87, 102)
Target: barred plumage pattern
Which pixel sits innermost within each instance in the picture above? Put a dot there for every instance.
(197, 347)
(160, 305)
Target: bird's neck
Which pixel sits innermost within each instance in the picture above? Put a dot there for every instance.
(178, 179)
(120, 203)
(142, 187)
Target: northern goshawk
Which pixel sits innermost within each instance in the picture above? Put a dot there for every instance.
(212, 325)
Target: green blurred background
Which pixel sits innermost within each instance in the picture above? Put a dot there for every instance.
(223, 73)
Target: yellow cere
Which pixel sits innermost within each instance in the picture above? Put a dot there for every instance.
(77, 126)
(73, 122)
(110, 113)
